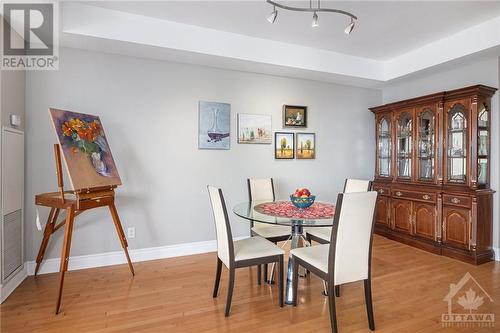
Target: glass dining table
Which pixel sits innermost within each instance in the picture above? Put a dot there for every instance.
(283, 213)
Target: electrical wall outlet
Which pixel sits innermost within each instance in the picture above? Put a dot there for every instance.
(131, 232)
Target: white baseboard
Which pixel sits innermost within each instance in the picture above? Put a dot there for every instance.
(118, 257)
(7, 288)
(497, 253)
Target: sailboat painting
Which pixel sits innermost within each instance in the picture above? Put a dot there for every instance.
(214, 125)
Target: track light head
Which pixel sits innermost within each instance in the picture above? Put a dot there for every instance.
(350, 27)
(272, 17)
(315, 22)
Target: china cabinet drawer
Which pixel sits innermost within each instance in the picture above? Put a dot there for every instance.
(457, 200)
(382, 190)
(420, 196)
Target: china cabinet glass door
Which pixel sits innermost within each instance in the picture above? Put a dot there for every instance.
(426, 145)
(483, 149)
(404, 145)
(384, 147)
(457, 144)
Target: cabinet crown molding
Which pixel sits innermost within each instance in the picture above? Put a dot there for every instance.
(436, 97)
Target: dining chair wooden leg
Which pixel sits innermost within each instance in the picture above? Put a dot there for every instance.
(217, 277)
(369, 305)
(266, 279)
(230, 290)
(333, 312)
(259, 273)
(295, 283)
(337, 291)
(281, 268)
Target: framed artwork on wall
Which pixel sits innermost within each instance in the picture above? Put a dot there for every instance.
(306, 146)
(214, 125)
(254, 128)
(294, 116)
(284, 146)
(85, 150)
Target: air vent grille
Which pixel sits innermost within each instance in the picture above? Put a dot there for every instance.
(12, 244)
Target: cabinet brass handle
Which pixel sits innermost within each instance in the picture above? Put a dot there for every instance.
(455, 200)
(399, 193)
(381, 191)
(426, 197)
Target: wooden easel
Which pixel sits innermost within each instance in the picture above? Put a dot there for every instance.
(74, 202)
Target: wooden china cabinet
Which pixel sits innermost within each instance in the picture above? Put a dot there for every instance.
(432, 173)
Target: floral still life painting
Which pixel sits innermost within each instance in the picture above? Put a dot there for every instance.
(294, 116)
(214, 125)
(254, 128)
(85, 149)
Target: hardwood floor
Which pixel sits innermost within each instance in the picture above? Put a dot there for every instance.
(175, 295)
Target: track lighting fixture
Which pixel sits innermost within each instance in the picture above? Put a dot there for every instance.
(272, 17)
(350, 27)
(315, 23)
(311, 9)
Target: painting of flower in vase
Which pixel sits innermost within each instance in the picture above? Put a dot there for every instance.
(85, 149)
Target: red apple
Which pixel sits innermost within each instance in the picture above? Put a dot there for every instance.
(302, 192)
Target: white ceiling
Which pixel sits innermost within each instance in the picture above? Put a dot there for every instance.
(384, 29)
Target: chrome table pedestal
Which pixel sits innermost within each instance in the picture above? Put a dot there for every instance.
(297, 240)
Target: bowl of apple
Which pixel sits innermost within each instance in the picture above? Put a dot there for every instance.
(302, 198)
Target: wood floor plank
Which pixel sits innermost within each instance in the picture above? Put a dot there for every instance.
(175, 295)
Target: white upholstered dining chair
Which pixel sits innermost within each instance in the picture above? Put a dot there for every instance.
(262, 189)
(347, 258)
(322, 234)
(252, 251)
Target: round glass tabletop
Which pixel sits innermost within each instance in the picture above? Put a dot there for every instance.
(320, 214)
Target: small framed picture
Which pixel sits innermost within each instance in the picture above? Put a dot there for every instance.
(284, 148)
(294, 116)
(254, 128)
(306, 146)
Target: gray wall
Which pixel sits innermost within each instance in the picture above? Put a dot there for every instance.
(12, 101)
(149, 111)
(12, 89)
(483, 71)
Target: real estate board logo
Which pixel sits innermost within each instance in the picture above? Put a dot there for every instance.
(30, 35)
(470, 297)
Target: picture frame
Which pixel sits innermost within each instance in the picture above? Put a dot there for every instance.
(284, 145)
(214, 125)
(306, 146)
(255, 128)
(85, 149)
(294, 116)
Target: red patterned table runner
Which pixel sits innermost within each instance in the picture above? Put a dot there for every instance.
(287, 209)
